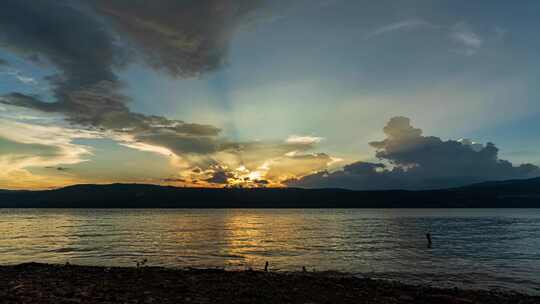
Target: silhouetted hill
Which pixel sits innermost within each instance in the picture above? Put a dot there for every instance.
(504, 194)
(514, 185)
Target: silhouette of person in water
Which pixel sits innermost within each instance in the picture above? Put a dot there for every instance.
(428, 237)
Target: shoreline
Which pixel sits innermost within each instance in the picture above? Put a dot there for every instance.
(49, 283)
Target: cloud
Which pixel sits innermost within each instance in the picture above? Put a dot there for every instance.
(400, 26)
(219, 176)
(19, 76)
(85, 86)
(255, 154)
(469, 41)
(58, 168)
(27, 29)
(62, 168)
(24, 147)
(477, 147)
(26, 79)
(174, 180)
(306, 140)
(297, 164)
(413, 161)
(183, 38)
(252, 164)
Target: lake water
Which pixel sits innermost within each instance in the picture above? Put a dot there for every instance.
(484, 248)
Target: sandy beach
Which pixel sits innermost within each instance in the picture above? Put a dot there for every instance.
(44, 283)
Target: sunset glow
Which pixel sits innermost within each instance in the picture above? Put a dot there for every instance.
(347, 94)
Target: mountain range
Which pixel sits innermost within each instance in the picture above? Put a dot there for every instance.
(500, 194)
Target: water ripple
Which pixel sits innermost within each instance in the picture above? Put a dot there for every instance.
(486, 248)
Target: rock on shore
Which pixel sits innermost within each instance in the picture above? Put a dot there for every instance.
(42, 283)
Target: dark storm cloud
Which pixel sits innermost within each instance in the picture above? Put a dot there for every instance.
(185, 38)
(359, 175)
(28, 101)
(420, 162)
(219, 176)
(70, 39)
(82, 50)
(431, 156)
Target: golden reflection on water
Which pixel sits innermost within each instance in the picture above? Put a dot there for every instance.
(382, 241)
(249, 233)
(24, 241)
(236, 238)
(254, 237)
(222, 238)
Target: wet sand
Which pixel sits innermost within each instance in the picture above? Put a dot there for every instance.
(43, 283)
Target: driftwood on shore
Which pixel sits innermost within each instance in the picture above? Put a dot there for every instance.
(41, 283)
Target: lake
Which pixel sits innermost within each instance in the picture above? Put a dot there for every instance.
(472, 248)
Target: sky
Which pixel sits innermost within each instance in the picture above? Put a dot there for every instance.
(219, 93)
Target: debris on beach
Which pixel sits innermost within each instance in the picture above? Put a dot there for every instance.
(41, 283)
